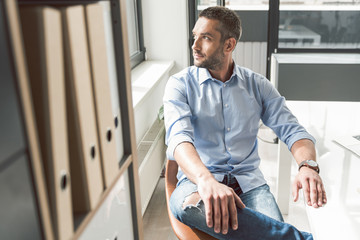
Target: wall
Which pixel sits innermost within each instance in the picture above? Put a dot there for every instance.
(166, 31)
(165, 26)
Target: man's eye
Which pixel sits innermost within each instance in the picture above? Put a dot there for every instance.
(206, 38)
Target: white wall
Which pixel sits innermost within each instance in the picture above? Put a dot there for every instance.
(166, 31)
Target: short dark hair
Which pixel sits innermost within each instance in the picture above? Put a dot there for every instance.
(230, 23)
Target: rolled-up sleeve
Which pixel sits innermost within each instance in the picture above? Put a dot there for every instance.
(177, 115)
(278, 116)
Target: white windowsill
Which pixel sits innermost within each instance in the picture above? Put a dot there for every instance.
(146, 76)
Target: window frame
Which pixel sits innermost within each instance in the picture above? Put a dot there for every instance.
(139, 56)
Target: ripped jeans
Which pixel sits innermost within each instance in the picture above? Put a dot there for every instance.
(253, 221)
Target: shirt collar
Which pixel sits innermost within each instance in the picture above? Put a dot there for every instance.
(205, 75)
(236, 72)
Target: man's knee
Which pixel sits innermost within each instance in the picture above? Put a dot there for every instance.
(187, 209)
(192, 200)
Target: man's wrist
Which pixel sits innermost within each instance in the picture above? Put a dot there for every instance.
(310, 164)
(205, 178)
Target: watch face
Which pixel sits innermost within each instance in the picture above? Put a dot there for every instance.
(312, 163)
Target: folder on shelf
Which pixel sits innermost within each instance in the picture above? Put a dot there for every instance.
(42, 34)
(86, 173)
(101, 86)
(110, 53)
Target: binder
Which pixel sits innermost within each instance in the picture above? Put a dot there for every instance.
(110, 52)
(42, 34)
(101, 86)
(87, 182)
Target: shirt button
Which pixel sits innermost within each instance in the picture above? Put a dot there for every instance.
(228, 129)
(229, 149)
(226, 105)
(224, 84)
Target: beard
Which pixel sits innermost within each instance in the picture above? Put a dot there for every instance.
(212, 62)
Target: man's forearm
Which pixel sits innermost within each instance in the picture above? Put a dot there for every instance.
(303, 149)
(190, 163)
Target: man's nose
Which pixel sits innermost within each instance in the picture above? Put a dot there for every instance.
(195, 45)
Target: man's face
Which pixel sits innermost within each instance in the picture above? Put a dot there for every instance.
(207, 48)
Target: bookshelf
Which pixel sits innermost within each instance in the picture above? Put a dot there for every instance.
(30, 201)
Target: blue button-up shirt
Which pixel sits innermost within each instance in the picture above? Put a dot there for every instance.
(222, 120)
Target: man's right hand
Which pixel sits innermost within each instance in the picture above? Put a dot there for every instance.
(220, 205)
(220, 201)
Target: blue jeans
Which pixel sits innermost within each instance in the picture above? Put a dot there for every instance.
(261, 219)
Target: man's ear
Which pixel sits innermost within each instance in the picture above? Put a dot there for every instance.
(230, 44)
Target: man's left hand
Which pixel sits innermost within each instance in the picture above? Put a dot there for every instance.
(312, 185)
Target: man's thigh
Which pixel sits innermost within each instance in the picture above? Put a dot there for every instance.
(262, 200)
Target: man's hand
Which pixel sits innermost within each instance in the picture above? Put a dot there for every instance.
(312, 185)
(220, 205)
(220, 201)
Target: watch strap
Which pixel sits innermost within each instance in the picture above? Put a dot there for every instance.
(306, 164)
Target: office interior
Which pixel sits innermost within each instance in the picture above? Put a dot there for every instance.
(82, 150)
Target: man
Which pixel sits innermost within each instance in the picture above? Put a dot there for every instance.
(212, 113)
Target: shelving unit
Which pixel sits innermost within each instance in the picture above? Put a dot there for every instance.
(24, 202)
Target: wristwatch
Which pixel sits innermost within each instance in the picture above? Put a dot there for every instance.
(310, 164)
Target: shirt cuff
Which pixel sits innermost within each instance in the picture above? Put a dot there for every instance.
(175, 141)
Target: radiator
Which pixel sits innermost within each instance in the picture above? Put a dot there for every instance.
(251, 55)
(151, 156)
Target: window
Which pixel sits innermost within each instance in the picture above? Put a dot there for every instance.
(291, 26)
(313, 26)
(202, 4)
(135, 32)
(321, 24)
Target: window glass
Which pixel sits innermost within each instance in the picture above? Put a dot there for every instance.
(132, 27)
(207, 3)
(319, 24)
(247, 4)
(202, 4)
(254, 18)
